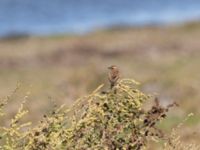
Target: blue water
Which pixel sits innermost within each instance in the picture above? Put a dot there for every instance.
(40, 17)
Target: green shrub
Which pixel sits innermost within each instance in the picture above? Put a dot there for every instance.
(102, 120)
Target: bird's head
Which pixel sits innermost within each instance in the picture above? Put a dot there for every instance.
(112, 67)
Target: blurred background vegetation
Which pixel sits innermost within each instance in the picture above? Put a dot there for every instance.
(58, 64)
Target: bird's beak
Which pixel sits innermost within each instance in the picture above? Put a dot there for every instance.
(109, 67)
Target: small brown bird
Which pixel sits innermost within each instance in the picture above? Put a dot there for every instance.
(113, 75)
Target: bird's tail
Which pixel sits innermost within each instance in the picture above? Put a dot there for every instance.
(112, 85)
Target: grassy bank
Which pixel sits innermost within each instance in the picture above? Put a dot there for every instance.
(63, 68)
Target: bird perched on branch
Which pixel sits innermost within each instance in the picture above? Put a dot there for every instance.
(113, 75)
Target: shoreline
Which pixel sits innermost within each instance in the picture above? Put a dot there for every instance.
(22, 35)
